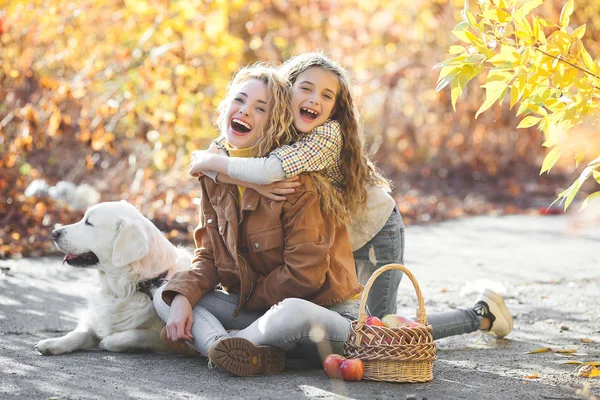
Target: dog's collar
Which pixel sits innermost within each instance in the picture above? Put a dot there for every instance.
(147, 286)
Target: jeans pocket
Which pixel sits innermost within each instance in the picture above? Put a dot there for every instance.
(395, 219)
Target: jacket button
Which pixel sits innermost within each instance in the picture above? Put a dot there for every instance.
(209, 221)
(248, 206)
(220, 229)
(256, 245)
(218, 198)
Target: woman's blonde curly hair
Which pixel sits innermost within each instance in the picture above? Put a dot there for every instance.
(356, 167)
(278, 127)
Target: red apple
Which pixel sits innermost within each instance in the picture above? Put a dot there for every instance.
(398, 321)
(374, 321)
(415, 324)
(352, 369)
(331, 366)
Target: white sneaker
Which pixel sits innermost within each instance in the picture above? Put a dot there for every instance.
(491, 305)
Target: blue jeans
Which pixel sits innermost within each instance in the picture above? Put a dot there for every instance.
(387, 247)
(297, 326)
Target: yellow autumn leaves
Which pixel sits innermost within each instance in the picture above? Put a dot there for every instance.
(586, 369)
(539, 65)
(125, 65)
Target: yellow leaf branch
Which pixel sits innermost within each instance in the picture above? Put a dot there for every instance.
(503, 38)
(559, 58)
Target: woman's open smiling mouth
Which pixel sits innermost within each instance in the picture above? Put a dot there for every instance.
(240, 127)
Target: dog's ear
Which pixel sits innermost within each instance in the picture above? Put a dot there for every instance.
(161, 254)
(131, 243)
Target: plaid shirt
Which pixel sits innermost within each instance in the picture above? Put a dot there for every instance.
(317, 150)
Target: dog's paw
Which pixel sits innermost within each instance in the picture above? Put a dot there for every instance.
(113, 344)
(49, 347)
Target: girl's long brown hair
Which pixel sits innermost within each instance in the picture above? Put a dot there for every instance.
(356, 167)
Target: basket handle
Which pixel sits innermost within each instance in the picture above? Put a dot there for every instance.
(421, 314)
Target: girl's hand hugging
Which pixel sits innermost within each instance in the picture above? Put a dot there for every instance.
(201, 162)
(208, 160)
(277, 190)
(213, 148)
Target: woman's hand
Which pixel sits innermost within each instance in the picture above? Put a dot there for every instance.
(181, 318)
(201, 162)
(276, 190)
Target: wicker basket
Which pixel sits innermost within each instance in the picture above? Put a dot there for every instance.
(392, 354)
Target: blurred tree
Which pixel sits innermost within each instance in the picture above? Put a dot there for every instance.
(117, 93)
(543, 67)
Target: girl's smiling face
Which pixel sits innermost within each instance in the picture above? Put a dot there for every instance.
(246, 114)
(313, 98)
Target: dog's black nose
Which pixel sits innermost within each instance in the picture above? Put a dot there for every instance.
(56, 233)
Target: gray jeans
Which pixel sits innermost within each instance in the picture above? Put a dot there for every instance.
(387, 247)
(455, 322)
(301, 328)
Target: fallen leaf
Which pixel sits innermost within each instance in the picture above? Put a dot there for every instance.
(593, 363)
(532, 376)
(588, 371)
(587, 340)
(540, 350)
(565, 351)
(565, 355)
(572, 362)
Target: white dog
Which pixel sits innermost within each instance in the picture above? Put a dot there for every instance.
(129, 252)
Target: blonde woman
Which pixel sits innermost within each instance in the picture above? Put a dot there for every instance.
(283, 266)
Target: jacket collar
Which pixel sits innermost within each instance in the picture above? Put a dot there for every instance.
(220, 193)
(249, 199)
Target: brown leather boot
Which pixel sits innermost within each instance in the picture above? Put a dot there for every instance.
(178, 346)
(243, 358)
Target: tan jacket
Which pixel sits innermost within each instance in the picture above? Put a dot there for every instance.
(267, 250)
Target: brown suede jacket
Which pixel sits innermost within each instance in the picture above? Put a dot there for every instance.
(267, 250)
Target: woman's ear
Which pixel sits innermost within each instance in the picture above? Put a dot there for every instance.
(131, 243)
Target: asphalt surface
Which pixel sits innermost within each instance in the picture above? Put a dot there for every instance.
(548, 272)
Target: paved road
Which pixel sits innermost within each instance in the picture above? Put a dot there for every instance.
(549, 275)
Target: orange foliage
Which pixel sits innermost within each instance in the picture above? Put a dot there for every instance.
(118, 93)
